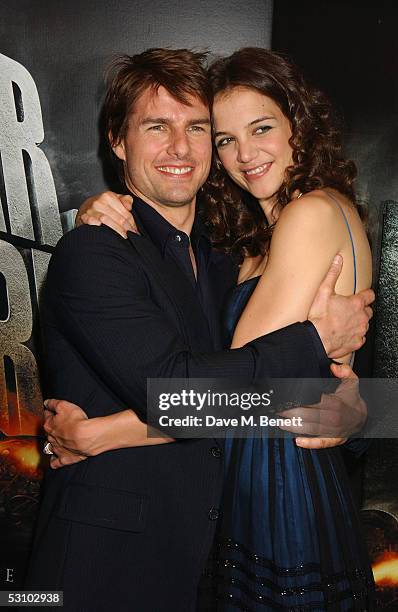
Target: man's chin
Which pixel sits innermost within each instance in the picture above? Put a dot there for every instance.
(177, 200)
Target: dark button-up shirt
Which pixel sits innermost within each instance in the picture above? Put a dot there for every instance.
(173, 245)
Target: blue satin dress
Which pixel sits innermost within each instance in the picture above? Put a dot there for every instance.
(289, 535)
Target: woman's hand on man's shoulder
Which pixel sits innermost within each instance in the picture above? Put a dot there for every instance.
(108, 208)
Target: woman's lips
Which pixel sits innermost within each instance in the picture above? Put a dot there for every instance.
(252, 174)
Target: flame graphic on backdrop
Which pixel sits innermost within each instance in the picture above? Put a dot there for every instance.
(27, 421)
(27, 458)
(24, 455)
(385, 570)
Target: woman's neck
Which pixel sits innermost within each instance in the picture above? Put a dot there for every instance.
(268, 206)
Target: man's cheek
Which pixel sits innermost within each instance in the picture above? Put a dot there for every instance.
(205, 158)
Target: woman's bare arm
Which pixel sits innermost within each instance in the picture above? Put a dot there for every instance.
(75, 437)
(312, 231)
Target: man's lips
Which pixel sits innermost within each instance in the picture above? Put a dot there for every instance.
(252, 174)
(176, 171)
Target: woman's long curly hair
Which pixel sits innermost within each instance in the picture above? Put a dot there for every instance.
(236, 221)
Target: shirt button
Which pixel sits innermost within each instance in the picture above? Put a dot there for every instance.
(216, 451)
(177, 238)
(214, 514)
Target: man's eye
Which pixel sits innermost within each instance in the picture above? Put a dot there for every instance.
(262, 129)
(157, 128)
(196, 128)
(223, 141)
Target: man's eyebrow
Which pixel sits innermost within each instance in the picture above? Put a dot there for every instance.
(200, 121)
(166, 121)
(254, 122)
(148, 120)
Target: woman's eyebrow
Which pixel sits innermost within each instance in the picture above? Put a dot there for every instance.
(265, 118)
(259, 120)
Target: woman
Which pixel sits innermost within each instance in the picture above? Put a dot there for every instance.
(289, 536)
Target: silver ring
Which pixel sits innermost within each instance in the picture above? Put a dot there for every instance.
(48, 449)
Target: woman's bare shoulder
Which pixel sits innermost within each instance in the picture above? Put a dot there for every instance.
(312, 212)
(316, 204)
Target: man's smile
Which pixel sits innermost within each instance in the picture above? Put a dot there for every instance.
(176, 170)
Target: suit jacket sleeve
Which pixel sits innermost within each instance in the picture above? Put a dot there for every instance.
(101, 301)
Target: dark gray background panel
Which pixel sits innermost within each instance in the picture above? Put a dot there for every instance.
(65, 45)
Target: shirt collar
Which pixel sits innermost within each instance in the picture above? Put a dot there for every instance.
(160, 231)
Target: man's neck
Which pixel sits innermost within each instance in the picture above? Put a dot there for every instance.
(180, 217)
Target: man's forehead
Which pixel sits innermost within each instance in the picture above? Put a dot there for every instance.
(159, 100)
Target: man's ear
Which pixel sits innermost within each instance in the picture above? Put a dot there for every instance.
(118, 147)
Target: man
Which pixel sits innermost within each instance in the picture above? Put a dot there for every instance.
(132, 529)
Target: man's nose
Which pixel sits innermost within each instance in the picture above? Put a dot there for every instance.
(246, 152)
(179, 144)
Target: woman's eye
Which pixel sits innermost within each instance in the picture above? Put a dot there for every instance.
(223, 142)
(262, 129)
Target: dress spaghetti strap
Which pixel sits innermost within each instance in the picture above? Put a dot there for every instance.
(354, 257)
(351, 238)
